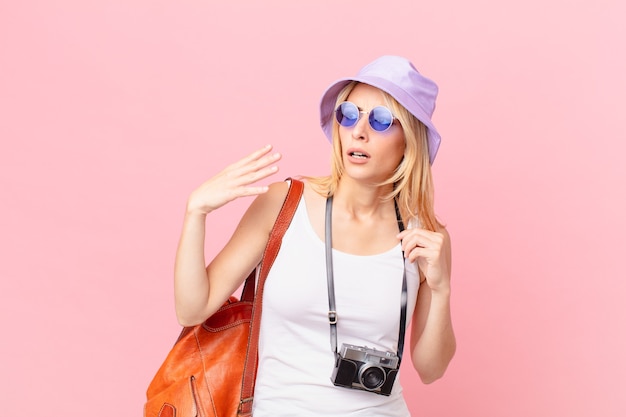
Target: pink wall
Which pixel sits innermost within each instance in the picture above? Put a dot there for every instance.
(111, 112)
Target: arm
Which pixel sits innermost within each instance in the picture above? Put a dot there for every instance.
(433, 343)
(200, 289)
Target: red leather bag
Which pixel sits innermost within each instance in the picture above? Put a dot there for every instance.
(211, 369)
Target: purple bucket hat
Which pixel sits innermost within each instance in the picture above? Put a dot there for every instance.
(396, 76)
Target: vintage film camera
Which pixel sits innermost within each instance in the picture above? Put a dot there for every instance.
(365, 369)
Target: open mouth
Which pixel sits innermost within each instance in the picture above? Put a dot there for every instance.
(358, 155)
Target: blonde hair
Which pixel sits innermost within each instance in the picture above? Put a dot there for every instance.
(412, 180)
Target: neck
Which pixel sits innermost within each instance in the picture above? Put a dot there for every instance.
(361, 200)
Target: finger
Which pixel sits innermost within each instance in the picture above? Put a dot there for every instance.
(421, 237)
(251, 191)
(265, 161)
(412, 241)
(254, 156)
(423, 247)
(248, 159)
(403, 233)
(247, 190)
(255, 176)
(242, 175)
(423, 253)
(252, 167)
(418, 232)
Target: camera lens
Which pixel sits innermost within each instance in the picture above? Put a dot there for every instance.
(372, 377)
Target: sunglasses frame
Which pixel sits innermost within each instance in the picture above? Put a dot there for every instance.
(369, 119)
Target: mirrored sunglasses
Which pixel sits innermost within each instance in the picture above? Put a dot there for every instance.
(380, 117)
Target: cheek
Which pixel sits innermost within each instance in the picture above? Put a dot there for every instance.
(398, 159)
(398, 147)
(394, 153)
(345, 135)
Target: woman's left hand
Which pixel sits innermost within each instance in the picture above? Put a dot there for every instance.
(431, 250)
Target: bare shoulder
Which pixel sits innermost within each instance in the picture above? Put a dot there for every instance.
(276, 193)
(265, 207)
(275, 196)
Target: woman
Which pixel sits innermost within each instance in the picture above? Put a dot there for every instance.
(384, 143)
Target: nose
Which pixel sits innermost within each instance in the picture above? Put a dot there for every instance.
(359, 131)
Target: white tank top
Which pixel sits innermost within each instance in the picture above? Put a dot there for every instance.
(295, 357)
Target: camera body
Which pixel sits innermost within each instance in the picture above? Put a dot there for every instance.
(365, 369)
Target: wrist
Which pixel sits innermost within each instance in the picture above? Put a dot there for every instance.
(196, 209)
(194, 217)
(441, 291)
(195, 212)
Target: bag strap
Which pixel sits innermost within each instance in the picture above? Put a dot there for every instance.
(271, 251)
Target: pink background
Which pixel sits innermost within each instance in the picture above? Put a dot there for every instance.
(111, 112)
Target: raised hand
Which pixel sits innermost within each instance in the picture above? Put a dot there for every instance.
(431, 250)
(234, 181)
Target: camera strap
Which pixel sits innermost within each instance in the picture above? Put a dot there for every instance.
(332, 309)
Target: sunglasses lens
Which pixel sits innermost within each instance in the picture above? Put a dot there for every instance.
(380, 118)
(347, 114)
